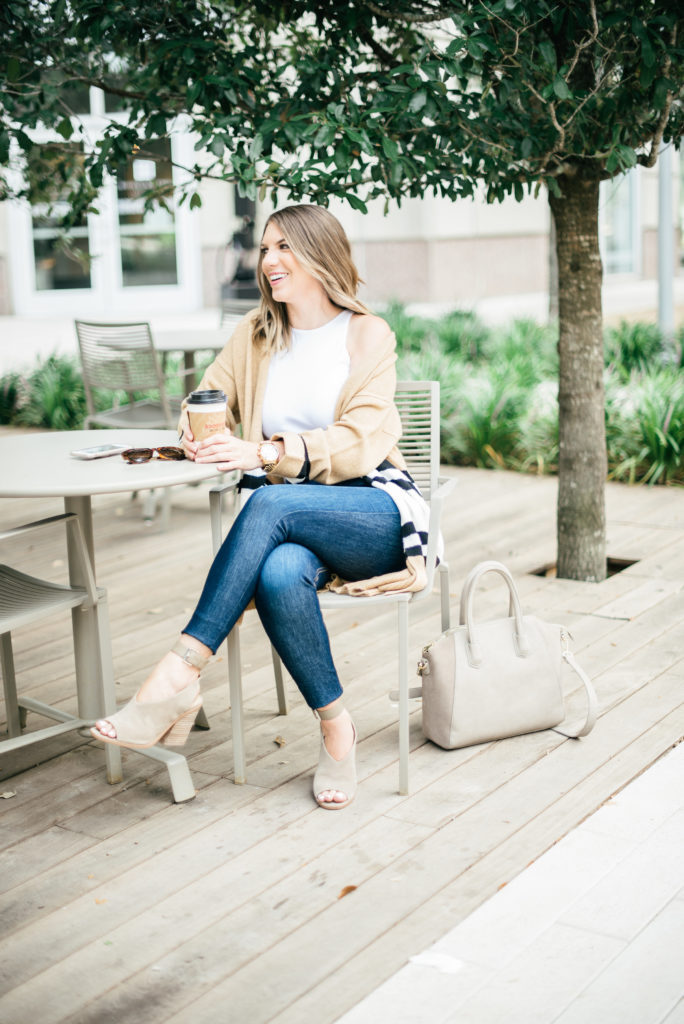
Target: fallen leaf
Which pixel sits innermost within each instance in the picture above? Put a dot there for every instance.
(280, 741)
(154, 611)
(345, 892)
(58, 563)
(100, 902)
(8, 794)
(91, 876)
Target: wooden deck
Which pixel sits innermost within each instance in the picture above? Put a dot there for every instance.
(118, 905)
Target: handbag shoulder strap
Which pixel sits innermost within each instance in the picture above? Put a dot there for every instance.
(592, 702)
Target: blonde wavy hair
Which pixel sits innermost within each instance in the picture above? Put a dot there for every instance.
(320, 245)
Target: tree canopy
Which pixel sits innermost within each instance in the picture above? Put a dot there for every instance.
(323, 98)
(365, 98)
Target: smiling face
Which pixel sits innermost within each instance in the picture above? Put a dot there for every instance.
(288, 280)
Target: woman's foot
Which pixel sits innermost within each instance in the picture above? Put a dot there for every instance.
(166, 705)
(335, 778)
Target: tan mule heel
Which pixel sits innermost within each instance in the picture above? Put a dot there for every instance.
(178, 733)
(143, 724)
(332, 774)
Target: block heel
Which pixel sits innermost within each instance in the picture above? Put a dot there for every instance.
(179, 732)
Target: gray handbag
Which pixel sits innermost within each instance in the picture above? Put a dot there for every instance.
(489, 680)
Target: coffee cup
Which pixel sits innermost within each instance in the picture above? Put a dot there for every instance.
(206, 413)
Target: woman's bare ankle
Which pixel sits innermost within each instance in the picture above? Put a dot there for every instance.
(172, 673)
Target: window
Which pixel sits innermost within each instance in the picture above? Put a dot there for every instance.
(61, 258)
(147, 237)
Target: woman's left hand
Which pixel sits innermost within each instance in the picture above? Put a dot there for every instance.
(229, 452)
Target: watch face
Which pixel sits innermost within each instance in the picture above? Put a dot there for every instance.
(268, 453)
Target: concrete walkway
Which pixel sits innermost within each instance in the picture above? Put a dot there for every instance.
(593, 931)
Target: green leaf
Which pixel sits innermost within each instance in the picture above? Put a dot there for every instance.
(548, 52)
(324, 136)
(195, 201)
(390, 148)
(193, 93)
(257, 147)
(13, 69)
(560, 87)
(355, 202)
(217, 146)
(157, 125)
(65, 128)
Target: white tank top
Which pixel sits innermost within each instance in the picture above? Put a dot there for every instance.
(305, 380)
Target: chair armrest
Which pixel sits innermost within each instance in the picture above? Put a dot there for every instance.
(73, 525)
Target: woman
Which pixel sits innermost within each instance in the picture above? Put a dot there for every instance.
(310, 377)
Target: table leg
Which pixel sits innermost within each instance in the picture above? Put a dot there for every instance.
(92, 645)
(93, 656)
(189, 366)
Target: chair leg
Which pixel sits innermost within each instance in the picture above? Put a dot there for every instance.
(113, 765)
(283, 708)
(9, 683)
(235, 682)
(403, 617)
(444, 595)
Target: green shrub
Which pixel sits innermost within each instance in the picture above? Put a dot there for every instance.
(463, 335)
(634, 346)
(412, 332)
(52, 396)
(485, 432)
(9, 397)
(539, 429)
(524, 350)
(651, 432)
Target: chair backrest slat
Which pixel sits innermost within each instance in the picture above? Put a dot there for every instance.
(120, 357)
(233, 310)
(418, 405)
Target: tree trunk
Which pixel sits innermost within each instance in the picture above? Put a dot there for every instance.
(582, 464)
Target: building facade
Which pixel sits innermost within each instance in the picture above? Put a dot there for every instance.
(128, 262)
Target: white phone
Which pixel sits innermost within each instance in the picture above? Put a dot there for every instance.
(99, 451)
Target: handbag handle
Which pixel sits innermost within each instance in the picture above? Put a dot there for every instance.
(473, 651)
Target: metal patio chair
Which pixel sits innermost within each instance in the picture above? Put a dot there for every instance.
(122, 357)
(418, 404)
(25, 600)
(233, 310)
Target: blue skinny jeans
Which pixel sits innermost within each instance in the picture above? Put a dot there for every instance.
(284, 545)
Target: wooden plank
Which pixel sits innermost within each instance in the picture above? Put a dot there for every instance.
(343, 930)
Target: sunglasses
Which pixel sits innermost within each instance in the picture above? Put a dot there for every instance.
(170, 452)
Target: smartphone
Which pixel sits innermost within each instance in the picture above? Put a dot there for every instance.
(99, 451)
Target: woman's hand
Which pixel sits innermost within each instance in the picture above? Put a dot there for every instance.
(228, 451)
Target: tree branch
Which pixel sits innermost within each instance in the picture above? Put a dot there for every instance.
(649, 159)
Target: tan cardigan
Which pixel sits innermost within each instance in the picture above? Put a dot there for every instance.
(366, 430)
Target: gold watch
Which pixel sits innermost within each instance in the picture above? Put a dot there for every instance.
(269, 454)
